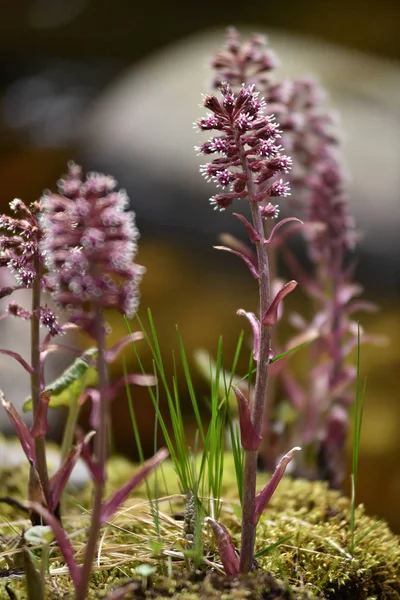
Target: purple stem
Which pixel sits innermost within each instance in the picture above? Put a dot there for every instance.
(259, 402)
(40, 447)
(101, 451)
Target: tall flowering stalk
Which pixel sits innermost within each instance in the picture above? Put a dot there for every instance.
(319, 181)
(90, 244)
(20, 252)
(247, 166)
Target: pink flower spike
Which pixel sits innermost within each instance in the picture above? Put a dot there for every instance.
(40, 425)
(110, 506)
(279, 225)
(62, 539)
(254, 237)
(255, 325)
(253, 270)
(249, 438)
(21, 429)
(227, 551)
(112, 353)
(271, 314)
(61, 477)
(266, 494)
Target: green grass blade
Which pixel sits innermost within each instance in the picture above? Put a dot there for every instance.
(359, 404)
(273, 546)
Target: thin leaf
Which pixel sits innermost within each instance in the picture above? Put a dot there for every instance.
(279, 225)
(21, 429)
(226, 549)
(114, 351)
(249, 437)
(266, 494)
(61, 477)
(255, 325)
(63, 542)
(19, 359)
(273, 546)
(110, 506)
(253, 235)
(35, 494)
(357, 425)
(35, 586)
(251, 266)
(39, 535)
(271, 314)
(67, 388)
(291, 350)
(96, 471)
(40, 424)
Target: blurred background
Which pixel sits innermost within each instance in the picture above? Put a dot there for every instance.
(116, 85)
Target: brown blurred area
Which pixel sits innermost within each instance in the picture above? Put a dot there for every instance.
(58, 57)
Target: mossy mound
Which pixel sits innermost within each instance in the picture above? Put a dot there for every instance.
(314, 560)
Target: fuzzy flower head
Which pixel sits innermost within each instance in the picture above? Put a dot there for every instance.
(20, 248)
(250, 61)
(247, 150)
(90, 243)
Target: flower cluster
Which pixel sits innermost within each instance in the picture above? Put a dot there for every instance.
(20, 249)
(250, 61)
(89, 244)
(247, 148)
(309, 132)
(20, 252)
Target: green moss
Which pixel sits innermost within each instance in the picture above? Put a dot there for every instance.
(313, 563)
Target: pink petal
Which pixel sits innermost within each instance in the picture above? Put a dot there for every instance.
(249, 438)
(271, 314)
(227, 552)
(255, 325)
(266, 494)
(110, 506)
